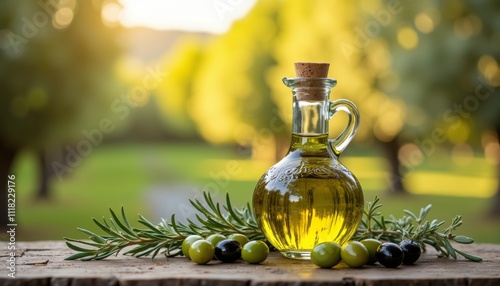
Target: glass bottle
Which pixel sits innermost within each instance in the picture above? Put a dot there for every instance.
(309, 197)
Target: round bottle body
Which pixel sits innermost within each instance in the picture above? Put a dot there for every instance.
(305, 199)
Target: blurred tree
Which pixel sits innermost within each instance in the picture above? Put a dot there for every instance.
(232, 87)
(222, 86)
(182, 65)
(56, 76)
(443, 61)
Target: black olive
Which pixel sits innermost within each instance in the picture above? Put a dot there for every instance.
(411, 251)
(228, 250)
(389, 254)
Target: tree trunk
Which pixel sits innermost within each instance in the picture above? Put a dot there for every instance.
(7, 156)
(43, 191)
(495, 210)
(395, 178)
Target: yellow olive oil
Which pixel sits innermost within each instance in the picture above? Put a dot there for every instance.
(307, 198)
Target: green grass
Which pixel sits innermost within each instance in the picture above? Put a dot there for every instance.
(116, 175)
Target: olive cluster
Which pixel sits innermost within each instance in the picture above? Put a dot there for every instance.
(224, 249)
(368, 251)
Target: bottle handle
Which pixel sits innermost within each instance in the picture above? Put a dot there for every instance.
(338, 144)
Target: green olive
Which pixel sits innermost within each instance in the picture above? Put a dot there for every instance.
(354, 254)
(326, 254)
(201, 251)
(371, 245)
(242, 239)
(188, 241)
(255, 252)
(215, 238)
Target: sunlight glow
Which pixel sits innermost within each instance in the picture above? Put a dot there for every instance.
(188, 15)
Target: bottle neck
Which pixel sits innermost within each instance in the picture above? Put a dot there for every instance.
(310, 117)
(310, 126)
(311, 113)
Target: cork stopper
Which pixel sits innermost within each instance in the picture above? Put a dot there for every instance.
(312, 70)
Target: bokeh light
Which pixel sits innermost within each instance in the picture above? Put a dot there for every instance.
(424, 23)
(62, 18)
(407, 38)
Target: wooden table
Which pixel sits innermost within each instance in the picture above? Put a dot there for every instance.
(42, 263)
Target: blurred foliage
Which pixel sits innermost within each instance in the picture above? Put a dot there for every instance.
(231, 87)
(317, 31)
(56, 70)
(182, 64)
(404, 64)
(435, 57)
(221, 85)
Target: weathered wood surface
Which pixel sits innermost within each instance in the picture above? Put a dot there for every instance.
(42, 263)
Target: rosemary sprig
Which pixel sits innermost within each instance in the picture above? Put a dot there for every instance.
(166, 237)
(415, 227)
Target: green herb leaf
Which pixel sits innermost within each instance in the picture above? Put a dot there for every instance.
(469, 256)
(463, 239)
